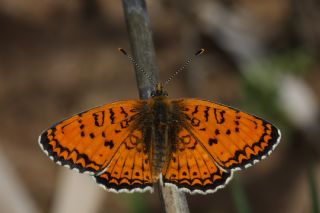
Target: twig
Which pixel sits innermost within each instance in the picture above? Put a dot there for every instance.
(140, 37)
(174, 200)
(141, 44)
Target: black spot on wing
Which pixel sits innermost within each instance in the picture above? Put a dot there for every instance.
(195, 111)
(98, 118)
(217, 132)
(206, 113)
(123, 112)
(212, 141)
(109, 144)
(228, 132)
(195, 122)
(82, 126)
(91, 135)
(124, 124)
(111, 116)
(219, 116)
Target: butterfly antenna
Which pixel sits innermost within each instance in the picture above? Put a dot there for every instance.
(137, 65)
(185, 65)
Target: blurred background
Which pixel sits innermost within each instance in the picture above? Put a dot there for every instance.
(60, 57)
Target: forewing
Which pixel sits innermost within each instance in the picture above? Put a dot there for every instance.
(233, 138)
(192, 169)
(88, 141)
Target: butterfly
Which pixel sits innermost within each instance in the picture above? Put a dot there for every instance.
(191, 144)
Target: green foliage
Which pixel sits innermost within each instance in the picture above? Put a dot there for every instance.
(262, 81)
(239, 197)
(136, 202)
(313, 186)
(260, 86)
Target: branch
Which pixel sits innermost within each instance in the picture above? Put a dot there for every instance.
(140, 37)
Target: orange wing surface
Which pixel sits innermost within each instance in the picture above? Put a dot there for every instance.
(99, 141)
(192, 169)
(129, 170)
(234, 139)
(209, 141)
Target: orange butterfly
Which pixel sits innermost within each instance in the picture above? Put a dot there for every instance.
(192, 144)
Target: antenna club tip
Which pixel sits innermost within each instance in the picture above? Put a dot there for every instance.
(199, 52)
(123, 51)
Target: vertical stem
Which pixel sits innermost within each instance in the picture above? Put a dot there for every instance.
(313, 185)
(142, 48)
(175, 201)
(140, 37)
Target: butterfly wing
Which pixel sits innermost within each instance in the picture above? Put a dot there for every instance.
(234, 139)
(192, 169)
(102, 142)
(129, 170)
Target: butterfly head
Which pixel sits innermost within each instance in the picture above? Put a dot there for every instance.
(159, 91)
